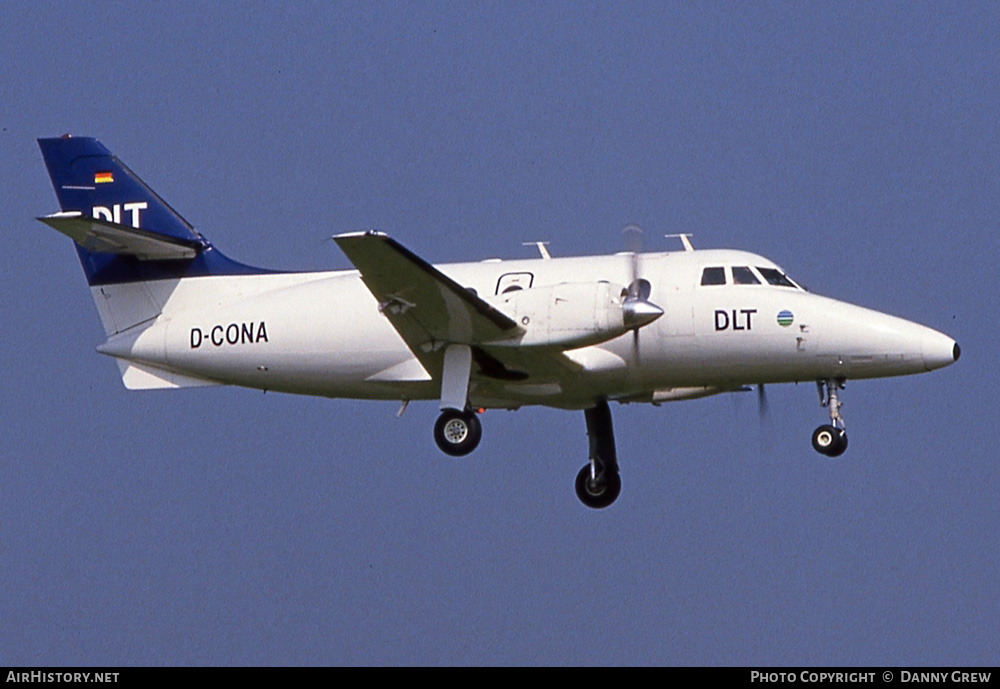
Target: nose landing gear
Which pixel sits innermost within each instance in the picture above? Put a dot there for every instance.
(830, 439)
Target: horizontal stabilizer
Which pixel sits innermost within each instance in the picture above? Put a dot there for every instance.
(103, 236)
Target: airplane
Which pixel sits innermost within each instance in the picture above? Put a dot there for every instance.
(573, 333)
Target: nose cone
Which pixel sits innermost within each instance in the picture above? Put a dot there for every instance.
(869, 344)
(939, 350)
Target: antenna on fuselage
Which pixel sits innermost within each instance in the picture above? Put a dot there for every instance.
(684, 240)
(541, 248)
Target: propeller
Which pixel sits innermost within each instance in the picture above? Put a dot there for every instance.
(761, 402)
(637, 310)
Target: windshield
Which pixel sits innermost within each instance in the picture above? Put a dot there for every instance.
(776, 277)
(744, 276)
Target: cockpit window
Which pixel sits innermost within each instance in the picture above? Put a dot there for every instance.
(776, 277)
(713, 276)
(744, 276)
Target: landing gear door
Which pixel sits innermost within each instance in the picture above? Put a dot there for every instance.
(511, 282)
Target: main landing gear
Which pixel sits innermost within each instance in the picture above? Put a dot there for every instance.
(457, 433)
(830, 439)
(598, 483)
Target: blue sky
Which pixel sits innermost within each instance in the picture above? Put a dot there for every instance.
(855, 144)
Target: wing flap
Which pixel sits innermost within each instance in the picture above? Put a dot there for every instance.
(103, 236)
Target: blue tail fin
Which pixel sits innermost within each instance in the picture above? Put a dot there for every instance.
(90, 181)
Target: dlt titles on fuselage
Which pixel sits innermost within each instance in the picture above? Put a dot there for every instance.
(737, 319)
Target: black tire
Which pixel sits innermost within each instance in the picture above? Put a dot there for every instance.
(829, 440)
(598, 496)
(841, 444)
(457, 433)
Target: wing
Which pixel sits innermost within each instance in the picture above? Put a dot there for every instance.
(421, 302)
(430, 311)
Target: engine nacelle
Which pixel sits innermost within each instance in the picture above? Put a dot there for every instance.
(568, 315)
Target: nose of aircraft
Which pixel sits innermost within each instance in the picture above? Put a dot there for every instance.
(893, 345)
(939, 350)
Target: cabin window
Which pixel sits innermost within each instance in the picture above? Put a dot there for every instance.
(744, 276)
(713, 276)
(776, 277)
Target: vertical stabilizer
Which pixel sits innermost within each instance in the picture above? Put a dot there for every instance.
(133, 246)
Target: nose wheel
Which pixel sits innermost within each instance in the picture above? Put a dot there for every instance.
(830, 439)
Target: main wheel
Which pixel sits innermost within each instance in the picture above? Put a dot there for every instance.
(599, 492)
(457, 433)
(829, 440)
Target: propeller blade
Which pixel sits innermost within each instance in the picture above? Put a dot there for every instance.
(638, 311)
(761, 401)
(632, 238)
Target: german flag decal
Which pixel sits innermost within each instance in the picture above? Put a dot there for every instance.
(103, 177)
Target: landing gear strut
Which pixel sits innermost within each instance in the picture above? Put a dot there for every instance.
(457, 433)
(598, 483)
(830, 439)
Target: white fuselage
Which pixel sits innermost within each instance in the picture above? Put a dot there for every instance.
(323, 334)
